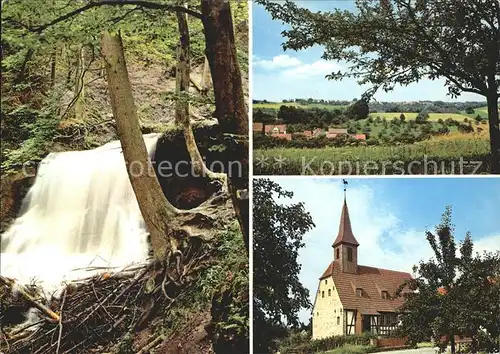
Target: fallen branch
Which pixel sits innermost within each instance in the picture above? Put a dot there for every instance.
(121, 296)
(10, 283)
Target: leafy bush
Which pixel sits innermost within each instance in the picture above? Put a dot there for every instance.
(299, 345)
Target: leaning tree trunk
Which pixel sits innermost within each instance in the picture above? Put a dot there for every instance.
(205, 77)
(230, 108)
(182, 105)
(494, 125)
(155, 208)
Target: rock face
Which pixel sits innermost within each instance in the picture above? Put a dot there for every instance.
(13, 189)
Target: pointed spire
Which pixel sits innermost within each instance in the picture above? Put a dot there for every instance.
(345, 234)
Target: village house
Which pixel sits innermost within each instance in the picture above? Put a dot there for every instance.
(353, 298)
(334, 132)
(258, 127)
(279, 131)
(275, 129)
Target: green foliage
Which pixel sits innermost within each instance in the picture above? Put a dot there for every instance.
(226, 285)
(358, 110)
(35, 128)
(223, 287)
(277, 237)
(336, 344)
(125, 345)
(36, 108)
(454, 294)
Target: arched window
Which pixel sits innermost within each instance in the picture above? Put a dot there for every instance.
(329, 292)
(338, 253)
(322, 294)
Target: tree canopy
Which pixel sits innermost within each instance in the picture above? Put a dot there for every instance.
(278, 295)
(455, 293)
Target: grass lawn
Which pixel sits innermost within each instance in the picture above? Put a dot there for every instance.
(424, 345)
(482, 111)
(350, 349)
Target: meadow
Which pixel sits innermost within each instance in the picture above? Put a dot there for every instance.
(455, 155)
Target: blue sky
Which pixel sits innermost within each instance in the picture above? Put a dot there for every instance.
(389, 217)
(281, 75)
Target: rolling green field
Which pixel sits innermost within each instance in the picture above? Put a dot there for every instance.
(277, 105)
(402, 159)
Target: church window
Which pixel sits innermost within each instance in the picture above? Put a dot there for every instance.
(338, 253)
(338, 320)
(322, 294)
(359, 292)
(329, 292)
(326, 281)
(317, 313)
(349, 254)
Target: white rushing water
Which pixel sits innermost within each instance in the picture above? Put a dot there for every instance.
(80, 212)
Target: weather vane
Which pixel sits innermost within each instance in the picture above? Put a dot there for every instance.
(344, 181)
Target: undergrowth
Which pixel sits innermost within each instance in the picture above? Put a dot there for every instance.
(223, 287)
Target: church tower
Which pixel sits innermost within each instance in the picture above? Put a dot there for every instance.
(345, 246)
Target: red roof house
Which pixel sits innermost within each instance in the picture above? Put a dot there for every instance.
(283, 136)
(258, 127)
(275, 129)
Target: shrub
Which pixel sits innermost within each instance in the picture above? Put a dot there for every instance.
(325, 344)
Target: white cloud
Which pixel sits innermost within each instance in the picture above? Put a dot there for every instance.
(278, 62)
(385, 240)
(317, 68)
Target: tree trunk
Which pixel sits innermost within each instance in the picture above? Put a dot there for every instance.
(155, 208)
(230, 107)
(452, 344)
(24, 67)
(493, 119)
(182, 87)
(53, 68)
(80, 86)
(182, 105)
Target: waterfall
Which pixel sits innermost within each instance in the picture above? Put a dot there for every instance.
(80, 212)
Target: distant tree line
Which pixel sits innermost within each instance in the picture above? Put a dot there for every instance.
(310, 118)
(411, 107)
